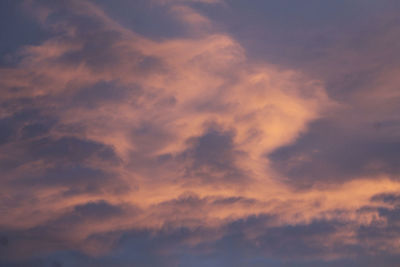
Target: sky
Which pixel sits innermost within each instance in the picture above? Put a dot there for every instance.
(199, 133)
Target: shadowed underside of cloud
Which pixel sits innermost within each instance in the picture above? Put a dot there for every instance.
(235, 244)
(331, 154)
(124, 146)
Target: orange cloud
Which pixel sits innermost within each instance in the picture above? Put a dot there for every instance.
(165, 97)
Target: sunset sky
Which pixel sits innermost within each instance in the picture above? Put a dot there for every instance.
(199, 133)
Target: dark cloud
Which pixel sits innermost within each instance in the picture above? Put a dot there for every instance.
(387, 198)
(345, 44)
(300, 241)
(379, 236)
(16, 30)
(100, 94)
(98, 210)
(68, 163)
(212, 156)
(53, 239)
(330, 154)
(35, 130)
(4, 240)
(140, 15)
(234, 200)
(97, 52)
(70, 149)
(25, 124)
(78, 177)
(291, 245)
(58, 259)
(7, 130)
(98, 46)
(273, 246)
(149, 137)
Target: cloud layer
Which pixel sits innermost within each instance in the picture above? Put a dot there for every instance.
(123, 146)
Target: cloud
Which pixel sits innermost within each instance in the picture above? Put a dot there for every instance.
(123, 149)
(330, 154)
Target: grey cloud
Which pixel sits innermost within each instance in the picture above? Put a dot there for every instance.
(25, 124)
(71, 149)
(100, 209)
(101, 93)
(16, 30)
(291, 245)
(212, 156)
(331, 154)
(389, 198)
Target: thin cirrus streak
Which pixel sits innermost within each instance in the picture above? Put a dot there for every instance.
(118, 148)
